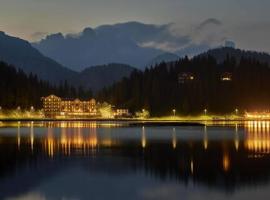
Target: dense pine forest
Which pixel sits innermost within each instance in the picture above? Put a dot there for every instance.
(192, 85)
(19, 89)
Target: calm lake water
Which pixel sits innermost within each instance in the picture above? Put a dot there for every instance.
(108, 160)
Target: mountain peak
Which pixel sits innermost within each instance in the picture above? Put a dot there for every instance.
(88, 32)
(55, 36)
(20, 53)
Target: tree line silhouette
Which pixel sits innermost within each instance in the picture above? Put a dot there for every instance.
(19, 89)
(191, 85)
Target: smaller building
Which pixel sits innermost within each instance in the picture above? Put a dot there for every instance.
(186, 77)
(122, 113)
(226, 76)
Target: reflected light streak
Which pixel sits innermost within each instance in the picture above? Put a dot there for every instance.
(143, 138)
(257, 137)
(32, 136)
(191, 167)
(19, 135)
(236, 139)
(226, 162)
(205, 138)
(174, 139)
(50, 143)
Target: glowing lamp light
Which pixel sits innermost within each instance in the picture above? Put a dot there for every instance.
(174, 111)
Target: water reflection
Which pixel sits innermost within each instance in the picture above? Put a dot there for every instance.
(258, 137)
(225, 159)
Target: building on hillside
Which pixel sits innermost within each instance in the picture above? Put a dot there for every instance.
(54, 106)
(226, 76)
(186, 77)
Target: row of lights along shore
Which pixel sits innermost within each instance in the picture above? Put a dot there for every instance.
(236, 111)
(32, 108)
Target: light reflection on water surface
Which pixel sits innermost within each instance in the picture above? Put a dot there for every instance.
(108, 160)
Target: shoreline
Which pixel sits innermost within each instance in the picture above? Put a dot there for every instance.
(135, 120)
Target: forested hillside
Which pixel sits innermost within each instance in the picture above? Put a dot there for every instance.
(191, 85)
(20, 89)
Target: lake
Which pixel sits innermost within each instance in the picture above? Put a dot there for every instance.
(112, 160)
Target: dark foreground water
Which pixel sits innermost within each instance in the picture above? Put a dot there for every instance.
(88, 160)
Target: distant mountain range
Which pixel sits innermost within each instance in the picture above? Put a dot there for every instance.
(99, 77)
(131, 43)
(121, 43)
(22, 55)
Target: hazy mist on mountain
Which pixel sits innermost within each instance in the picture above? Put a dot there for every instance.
(131, 43)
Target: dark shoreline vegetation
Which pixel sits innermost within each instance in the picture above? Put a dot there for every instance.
(19, 89)
(158, 89)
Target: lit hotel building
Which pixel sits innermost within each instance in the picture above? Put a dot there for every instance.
(54, 106)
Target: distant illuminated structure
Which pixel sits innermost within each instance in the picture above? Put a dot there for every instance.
(226, 76)
(54, 106)
(258, 137)
(186, 77)
(121, 113)
(257, 115)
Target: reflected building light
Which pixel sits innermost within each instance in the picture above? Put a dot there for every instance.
(143, 140)
(32, 136)
(78, 140)
(226, 162)
(257, 138)
(19, 135)
(63, 139)
(191, 167)
(73, 124)
(69, 147)
(236, 139)
(50, 142)
(174, 139)
(205, 138)
(236, 144)
(93, 141)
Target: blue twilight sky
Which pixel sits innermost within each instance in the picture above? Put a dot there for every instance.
(247, 22)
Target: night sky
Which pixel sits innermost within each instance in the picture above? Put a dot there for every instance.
(247, 22)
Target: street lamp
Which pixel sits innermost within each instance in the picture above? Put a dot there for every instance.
(236, 111)
(205, 111)
(174, 111)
